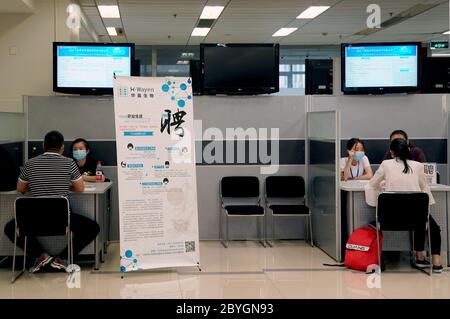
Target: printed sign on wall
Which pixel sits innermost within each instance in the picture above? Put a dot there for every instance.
(156, 173)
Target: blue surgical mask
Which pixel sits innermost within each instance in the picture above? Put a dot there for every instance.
(79, 154)
(358, 156)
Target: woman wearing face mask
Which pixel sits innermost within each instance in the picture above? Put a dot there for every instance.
(356, 165)
(85, 162)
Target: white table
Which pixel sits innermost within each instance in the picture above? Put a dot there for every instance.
(359, 214)
(92, 203)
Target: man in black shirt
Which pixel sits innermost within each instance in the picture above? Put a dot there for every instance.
(52, 174)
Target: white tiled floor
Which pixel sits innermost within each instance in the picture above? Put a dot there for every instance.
(291, 269)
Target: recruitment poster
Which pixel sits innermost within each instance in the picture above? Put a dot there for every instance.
(156, 173)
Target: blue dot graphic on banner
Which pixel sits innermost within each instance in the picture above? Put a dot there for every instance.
(178, 92)
(128, 262)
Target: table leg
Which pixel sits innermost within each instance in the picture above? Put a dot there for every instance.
(97, 241)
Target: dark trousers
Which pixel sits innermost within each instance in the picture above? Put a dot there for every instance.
(84, 231)
(435, 232)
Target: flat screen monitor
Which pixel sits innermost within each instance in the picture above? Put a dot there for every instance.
(240, 68)
(89, 68)
(377, 68)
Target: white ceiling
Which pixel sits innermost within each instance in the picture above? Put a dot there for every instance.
(153, 22)
(16, 6)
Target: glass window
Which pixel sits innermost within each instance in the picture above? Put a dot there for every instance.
(298, 67)
(298, 81)
(284, 81)
(143, 56)
(285, 67)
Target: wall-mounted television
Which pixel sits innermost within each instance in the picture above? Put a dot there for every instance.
(89, 68)
(378, 68)
(239, 68)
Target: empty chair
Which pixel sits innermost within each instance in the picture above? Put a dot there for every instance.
(285, 196)
(41, 216)
(403, 211)
(240, 196)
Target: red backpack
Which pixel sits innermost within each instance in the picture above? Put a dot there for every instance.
(361, 249)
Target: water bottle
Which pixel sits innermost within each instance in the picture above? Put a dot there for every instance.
(99, 172)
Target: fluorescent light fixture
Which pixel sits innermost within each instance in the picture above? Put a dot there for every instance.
(211, 12)
(187, 55)
(312, 12)
(109, 11)
(111, 31)
(182, 62)
(284, 32)
(200, 32)
(446, 32)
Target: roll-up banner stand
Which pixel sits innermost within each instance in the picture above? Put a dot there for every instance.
(156, 173)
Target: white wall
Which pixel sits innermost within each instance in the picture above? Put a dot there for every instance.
(30, 70)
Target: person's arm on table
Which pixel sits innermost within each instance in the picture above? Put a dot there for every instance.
(77, 186)
(22, 187)
(76, 178)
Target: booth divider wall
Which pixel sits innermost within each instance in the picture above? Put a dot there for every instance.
(93, 119)
(323, 180)
(372, 118)
(12, 140)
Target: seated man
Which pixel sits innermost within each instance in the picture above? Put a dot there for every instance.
(52, 174)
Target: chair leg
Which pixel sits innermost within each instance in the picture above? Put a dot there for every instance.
(261, 240)
(265, 230)
(69, 248)
(273, 229)
(14, 277)
(311, 238)
(14, 258)
(429, 250)
(220, 226)
(25, 254)
(413, 250)
(227, 230)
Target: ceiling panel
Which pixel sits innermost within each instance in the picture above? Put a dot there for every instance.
(153, 21)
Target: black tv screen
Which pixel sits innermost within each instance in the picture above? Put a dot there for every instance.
(88, 68)
(377, 68)
(240, 68)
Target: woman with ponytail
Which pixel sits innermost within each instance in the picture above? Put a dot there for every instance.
(401, 174)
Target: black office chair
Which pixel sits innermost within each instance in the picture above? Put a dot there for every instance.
(41, 216)
(403, 211)
(240, 196)
(285, 196)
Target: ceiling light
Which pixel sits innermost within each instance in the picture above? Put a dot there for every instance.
(187, 55)
(312, 12)
(182, 62)
(446, 32)
(111, 31)
(211, 12)
(200, 32)
(284, 32)
(109, 11)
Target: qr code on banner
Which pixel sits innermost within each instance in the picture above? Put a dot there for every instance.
(190, 246)
(429, 169)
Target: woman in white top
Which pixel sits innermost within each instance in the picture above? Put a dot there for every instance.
(356, 165)
(404, 175)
